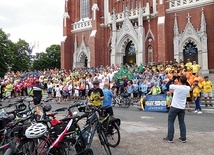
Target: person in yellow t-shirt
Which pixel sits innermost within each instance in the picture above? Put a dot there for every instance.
(195, 68)
(95, 95)
(168, 100)
(188, 64)
(8, 89)
(196, 90)
(207, 89)
(189, 98)
(142, 102)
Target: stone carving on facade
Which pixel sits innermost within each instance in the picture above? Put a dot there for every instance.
(149, 33)
(190, 34)
(127, 29)
(81, 53)
(94, 9)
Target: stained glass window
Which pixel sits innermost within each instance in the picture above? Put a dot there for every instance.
(131, 49)
(84, 8)
(190, 49)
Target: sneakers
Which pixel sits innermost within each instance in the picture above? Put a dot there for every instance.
(211, 104)
(183, 141)
(205, 105)
(199, 112)
(196, 111)
(168, 140)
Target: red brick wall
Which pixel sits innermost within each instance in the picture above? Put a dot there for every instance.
(67, 49)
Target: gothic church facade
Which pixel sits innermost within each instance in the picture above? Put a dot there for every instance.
(106, 32)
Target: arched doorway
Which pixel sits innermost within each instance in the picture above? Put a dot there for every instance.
(130, 54)
(83, 60)
(86, 62)
(190, 51)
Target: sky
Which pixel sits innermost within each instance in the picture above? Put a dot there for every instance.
(38, 22)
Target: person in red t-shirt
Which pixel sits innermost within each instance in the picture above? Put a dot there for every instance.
(30, 84)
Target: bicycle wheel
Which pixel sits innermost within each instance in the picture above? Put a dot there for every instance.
(113, 135)
(103, 141)
(125, 103)
(113, 102)
(33, 146)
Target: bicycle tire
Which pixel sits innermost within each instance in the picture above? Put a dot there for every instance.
(113, 135)
(125, 103)
(32, 146)
(103, 141)
(113, 102)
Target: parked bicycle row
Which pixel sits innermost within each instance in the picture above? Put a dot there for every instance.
(22, 131)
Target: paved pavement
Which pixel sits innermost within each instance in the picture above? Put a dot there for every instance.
(142, 134)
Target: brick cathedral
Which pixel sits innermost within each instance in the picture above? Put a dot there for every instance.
(105, 32)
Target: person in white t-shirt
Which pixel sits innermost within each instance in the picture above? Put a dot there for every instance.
(177, 108)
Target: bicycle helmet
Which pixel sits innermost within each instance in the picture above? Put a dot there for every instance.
(96, 82)
(47, 108)
(36, 130)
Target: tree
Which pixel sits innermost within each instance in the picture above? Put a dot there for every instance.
(21, 56)
(48, 60)
(6, 47)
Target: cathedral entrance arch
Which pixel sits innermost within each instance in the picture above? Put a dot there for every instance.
(83, 60)
(190, 51)
(130, 54)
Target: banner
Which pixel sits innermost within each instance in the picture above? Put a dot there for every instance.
(156, 103)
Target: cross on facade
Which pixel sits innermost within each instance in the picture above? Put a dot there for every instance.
(188, 18)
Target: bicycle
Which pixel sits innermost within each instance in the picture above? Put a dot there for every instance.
(122, 100)
(15, 130)
(56, 139)
(94, 122)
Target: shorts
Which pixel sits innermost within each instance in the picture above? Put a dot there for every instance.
(109, 111)
(135, 94)
(208, 94)
(76, 94)
(36, 101)
(189, 99)
(49, 90)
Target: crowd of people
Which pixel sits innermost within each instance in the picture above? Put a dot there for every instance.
(137, 81)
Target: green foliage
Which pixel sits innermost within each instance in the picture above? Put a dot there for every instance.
(48, 60)
(6, 47)
(18, 56)
(21, 56)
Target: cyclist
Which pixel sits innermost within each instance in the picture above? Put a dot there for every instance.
(107, 102)
(37, 95)
(95, 95)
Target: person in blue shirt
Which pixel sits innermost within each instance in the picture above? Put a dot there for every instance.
(108, 96)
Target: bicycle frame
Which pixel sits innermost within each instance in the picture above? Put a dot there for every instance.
(62, 135)
(92, 123)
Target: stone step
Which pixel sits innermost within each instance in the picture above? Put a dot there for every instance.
(204, 110)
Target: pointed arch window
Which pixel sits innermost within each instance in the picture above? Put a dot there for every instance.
(130, 49)
(84, 8)
(150, 55)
